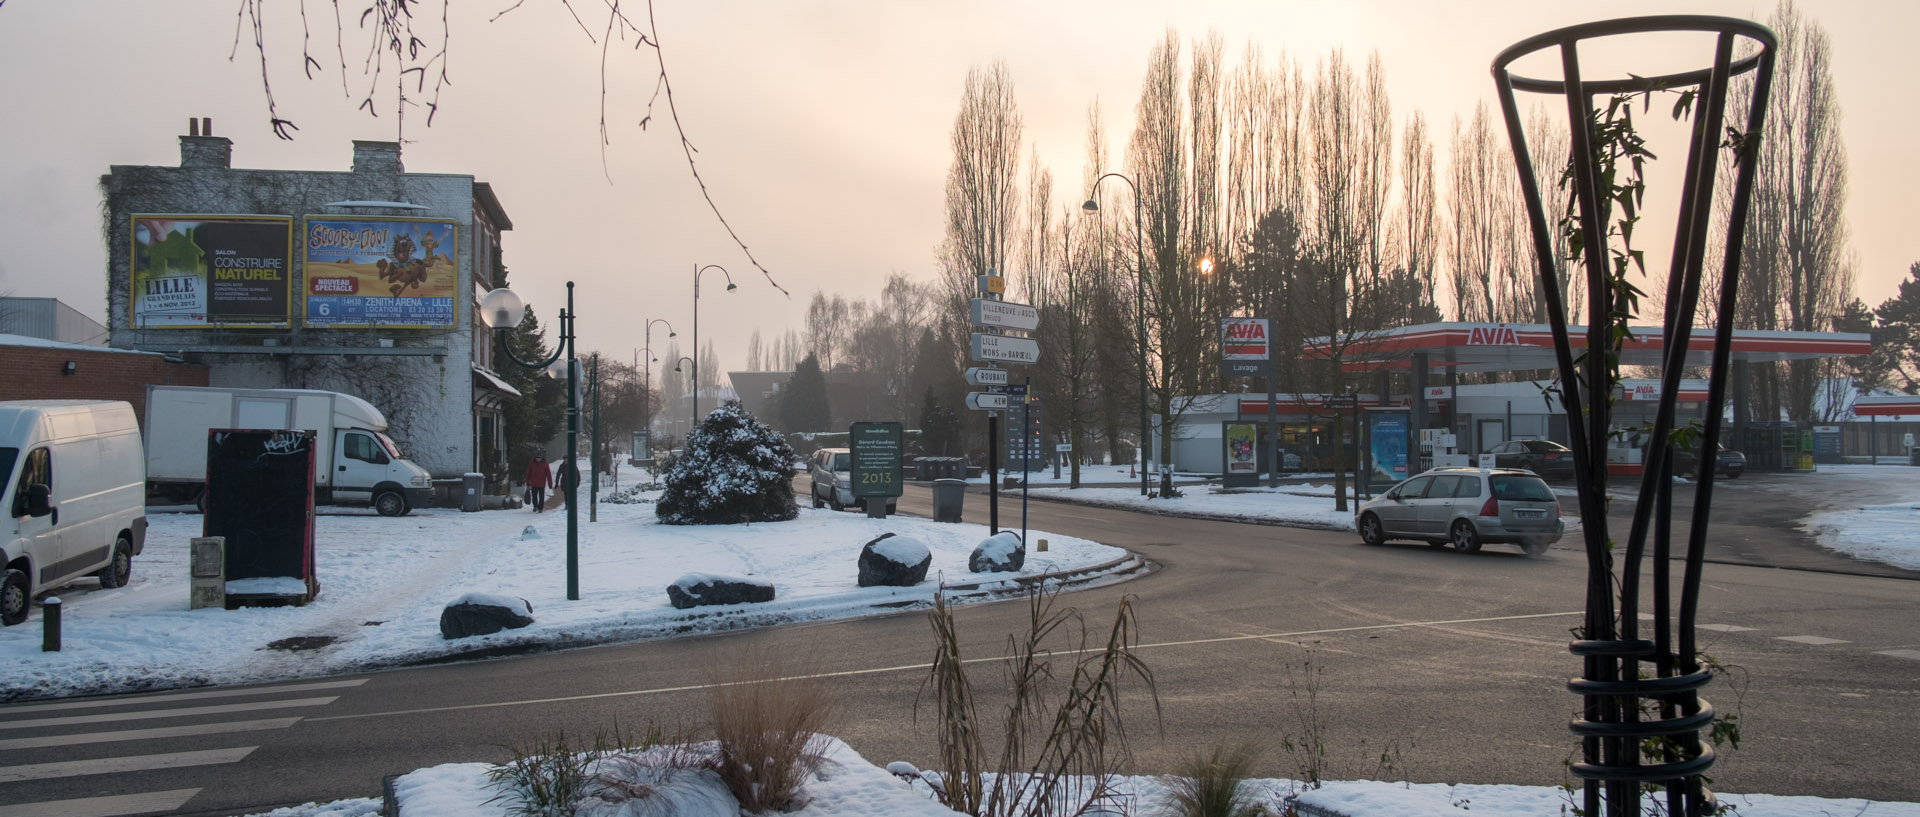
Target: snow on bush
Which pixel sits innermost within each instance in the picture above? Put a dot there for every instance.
(735, 469)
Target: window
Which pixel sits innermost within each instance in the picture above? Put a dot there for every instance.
(37, 470)
(1444, 486)
(1469, 487)
(362, 447)
(840, 462)
(1413, 488)
(1523, 489)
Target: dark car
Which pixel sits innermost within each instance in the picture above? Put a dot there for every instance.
(1726, 463)
(1544, 457)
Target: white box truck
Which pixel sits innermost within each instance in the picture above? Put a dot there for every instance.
(72, 481)
(355, 463)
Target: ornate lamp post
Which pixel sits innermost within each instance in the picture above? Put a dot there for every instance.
(697, 269)
(646, 398)
(695, 420)
(1140, 307)
(502, 310)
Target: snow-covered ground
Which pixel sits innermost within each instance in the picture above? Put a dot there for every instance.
(1882, 527)
(384, 581)
(1306, 505)
(848, 785)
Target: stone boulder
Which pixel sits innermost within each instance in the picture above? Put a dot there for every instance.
(894, 561)
(703, 589)
(1000, 553)
(484, 614)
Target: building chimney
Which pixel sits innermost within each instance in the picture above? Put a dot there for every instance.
(201, 149)
(376, 157)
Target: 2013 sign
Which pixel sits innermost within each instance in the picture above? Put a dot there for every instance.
(875, 450)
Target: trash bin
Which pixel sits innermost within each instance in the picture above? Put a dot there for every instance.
(470, 485)
(1913, 456)
(948, 496)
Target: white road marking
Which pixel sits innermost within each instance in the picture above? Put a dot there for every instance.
(176, 697)
(1911, 655)
(1722, 628)
(922, 667)
(116, 717)
(1810, 639)
(147, 734)
(147, 803)
(129, 763)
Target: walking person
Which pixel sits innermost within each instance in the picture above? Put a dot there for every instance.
(539, 477)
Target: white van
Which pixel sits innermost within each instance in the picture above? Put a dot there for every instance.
(74, 489)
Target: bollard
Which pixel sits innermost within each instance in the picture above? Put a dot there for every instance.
(50, 616)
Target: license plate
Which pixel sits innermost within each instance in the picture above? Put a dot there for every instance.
(1529, 513)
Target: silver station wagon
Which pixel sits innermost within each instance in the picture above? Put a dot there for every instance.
(1465, 507)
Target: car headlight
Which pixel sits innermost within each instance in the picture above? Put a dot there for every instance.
(422, 481)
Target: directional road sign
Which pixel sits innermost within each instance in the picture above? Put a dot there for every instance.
(977, 376)
(1005, 315)
(982, 401)
(1005, 348)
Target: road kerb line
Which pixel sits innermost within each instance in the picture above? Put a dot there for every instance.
(127, 763)
(144, 803)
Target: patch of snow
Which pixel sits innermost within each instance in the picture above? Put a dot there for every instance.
(495, 600)
(902, 550)
(267, 586)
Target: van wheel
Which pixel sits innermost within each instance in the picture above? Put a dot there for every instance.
(1534, 548)
(390, 503)
(1370, 531)
(13, 598)
(816, 500)
(120, 567)
(1464, 538)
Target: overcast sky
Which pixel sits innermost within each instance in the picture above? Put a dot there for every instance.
(822, 126)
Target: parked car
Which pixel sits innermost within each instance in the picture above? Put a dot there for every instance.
(74, 484)
(1544, 457)
(831, 470)
(1465, 507)
(1726, 463)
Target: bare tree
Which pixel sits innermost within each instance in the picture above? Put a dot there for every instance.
(982, 183)
(755, 357)
(1477, 176)
(1796, 270)
(1419, 206)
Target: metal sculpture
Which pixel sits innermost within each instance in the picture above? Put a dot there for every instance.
(1642, 717)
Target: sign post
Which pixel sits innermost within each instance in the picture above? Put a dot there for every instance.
(874, 450)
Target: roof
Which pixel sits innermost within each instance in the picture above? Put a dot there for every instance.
(1499, 347)
(490, 204)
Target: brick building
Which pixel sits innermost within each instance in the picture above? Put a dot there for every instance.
(364, 282)
(39, 369)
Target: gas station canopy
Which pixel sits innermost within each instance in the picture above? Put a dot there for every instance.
(1501, 347)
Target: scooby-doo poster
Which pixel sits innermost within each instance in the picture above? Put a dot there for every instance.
(369, 272)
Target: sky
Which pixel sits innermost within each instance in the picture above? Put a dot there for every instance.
(822, 127)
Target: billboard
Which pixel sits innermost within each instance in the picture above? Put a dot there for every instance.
(192, 272)
(1387, 442)
(1241, 467)
(1244, 338)
(380, 272)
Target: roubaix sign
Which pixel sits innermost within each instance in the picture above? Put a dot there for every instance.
(1244, 339)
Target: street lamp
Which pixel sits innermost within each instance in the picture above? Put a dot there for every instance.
(697, 269)
(1140, 306)
(695, 420)
(502, 310)
(646, 398)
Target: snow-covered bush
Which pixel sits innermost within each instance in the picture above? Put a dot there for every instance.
(735, 469)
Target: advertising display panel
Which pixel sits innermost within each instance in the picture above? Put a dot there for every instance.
(380, 272)
(875, 450)
(193, 272)
(1387, 441)
(1242, 455)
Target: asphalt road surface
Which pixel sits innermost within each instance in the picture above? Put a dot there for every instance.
(1405, 662)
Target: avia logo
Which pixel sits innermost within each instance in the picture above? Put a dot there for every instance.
(1246, 331)
(1493, 336)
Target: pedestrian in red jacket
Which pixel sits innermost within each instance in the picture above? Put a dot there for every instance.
(539, 476)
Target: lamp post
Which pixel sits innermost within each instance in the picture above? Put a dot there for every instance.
(697, 270)
(646, 398)
(1140, 306)
(693, 421)
(502, 310)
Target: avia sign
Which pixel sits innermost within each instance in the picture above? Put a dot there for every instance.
(1244, 339)
(1492, 336)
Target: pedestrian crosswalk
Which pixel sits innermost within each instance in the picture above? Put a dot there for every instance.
(66, 757)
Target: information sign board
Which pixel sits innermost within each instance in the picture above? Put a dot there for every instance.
(1244, 339)
(874, 451)
(977, 376)
(983, 401)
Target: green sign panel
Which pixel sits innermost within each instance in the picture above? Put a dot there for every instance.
(875, 449)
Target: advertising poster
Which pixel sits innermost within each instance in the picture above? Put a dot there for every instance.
(192, 272)
(371, 272)
(875, 450)
(1241, 451)
(1387, 441)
